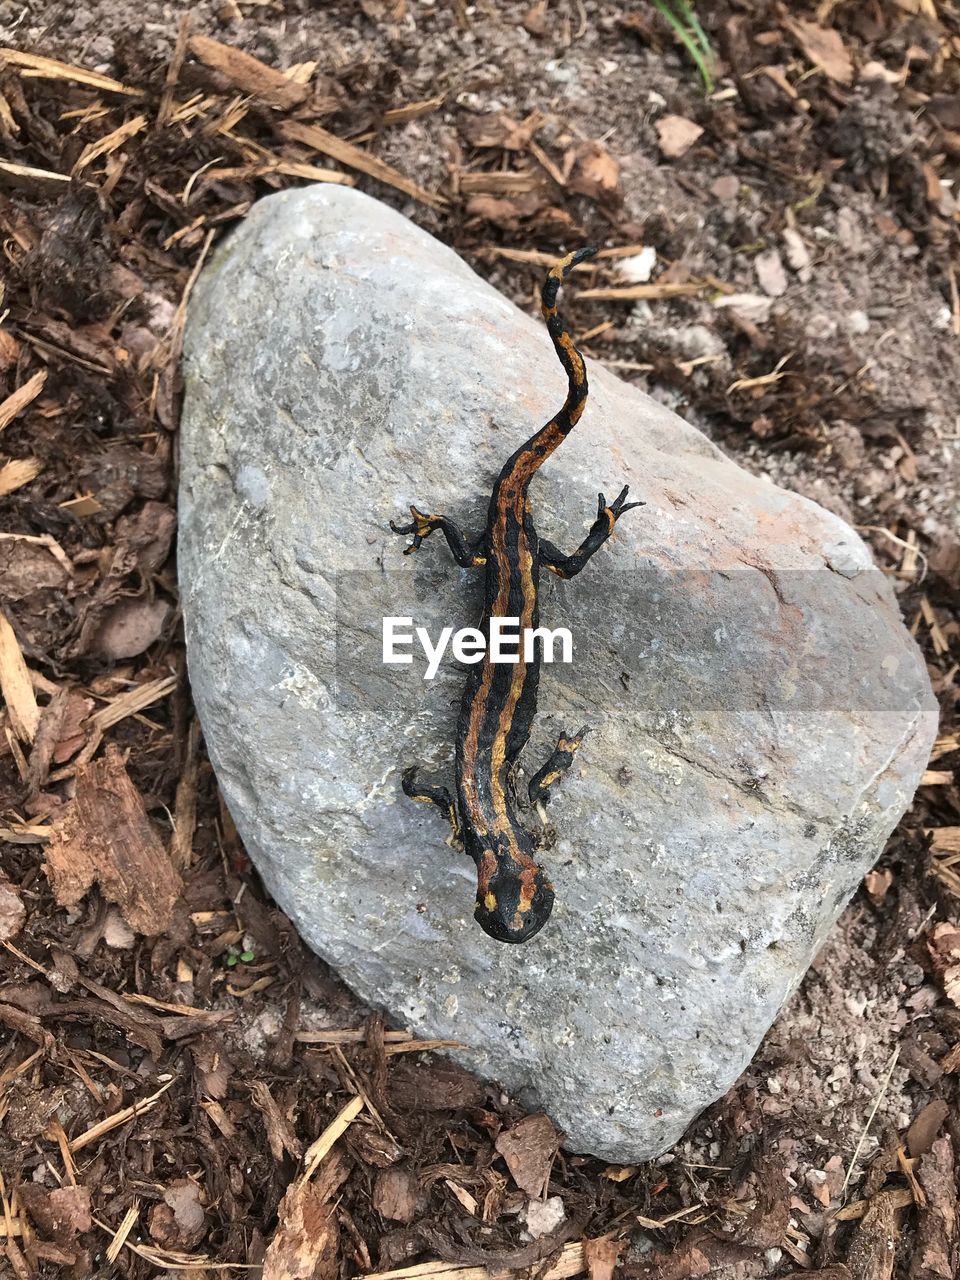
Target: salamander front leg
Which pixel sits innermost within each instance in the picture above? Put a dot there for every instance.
(439, 796)
(607, 516)
(467, 555)
(556, 766)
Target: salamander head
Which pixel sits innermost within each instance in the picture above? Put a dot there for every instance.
(514, 899)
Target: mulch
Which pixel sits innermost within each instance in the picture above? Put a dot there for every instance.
(182, 1085)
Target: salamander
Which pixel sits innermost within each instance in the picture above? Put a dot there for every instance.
(514, 893)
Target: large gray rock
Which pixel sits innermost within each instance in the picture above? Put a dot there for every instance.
(760, 715)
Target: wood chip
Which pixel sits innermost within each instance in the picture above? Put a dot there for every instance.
(926, 1126)
(395, 1194)
(106, 837)
(538, 259)
(8, 122)
(421, 1046)
(185, 813)
(168, 1006)
(26, 833)
(306, 1243)
(500, 130)
(97, 1131)
(301, 72)
(112, 142)
(12, 911)
(46, 739)
(249, 74)
(499, 183)
(85, 505)
(874, 1248)
(681, 1215)
(824, 47)
(529, 1149)
(463, 1197)
(601, 1257)
(779, 79)
(631, 292)
(900, 1198)
(597, 172)
(16, 685)
(124, 1229)
(570, 1263)
(172, 1260)
(943, 839)
(545, 162)
(289, 168)
(174, 67)
(321, 1147)
(10, 348)
(944, 745)
(26, 1024)
(219, 1118)
(18, 472)
(312, 135)
(19, 399)
(167, 352)
(877, 884)
(50, 69)
(907, 1168)
(941, 644)
(24, 177)
(19, 759)
(936, 1256)
(412, 111)
(63, 1213)
(280, 1136)
(507, 212)
(348, 1035)
(133, 701)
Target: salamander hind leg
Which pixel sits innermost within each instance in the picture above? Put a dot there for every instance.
(439, 796)
(467, 555)
(556, 766)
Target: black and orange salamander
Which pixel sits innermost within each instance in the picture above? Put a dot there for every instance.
(514, 894)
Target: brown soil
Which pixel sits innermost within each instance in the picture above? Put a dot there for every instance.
(808, 237)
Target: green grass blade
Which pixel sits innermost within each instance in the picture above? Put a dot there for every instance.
(688, 41)
(690, 14)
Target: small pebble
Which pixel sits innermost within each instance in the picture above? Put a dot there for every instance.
(544, 1216)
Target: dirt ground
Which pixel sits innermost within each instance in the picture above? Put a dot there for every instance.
(781, 268)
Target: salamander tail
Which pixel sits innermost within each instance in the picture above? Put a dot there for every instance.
(556, 276)
(570, 357)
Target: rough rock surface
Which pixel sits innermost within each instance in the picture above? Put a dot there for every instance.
(760, 715)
